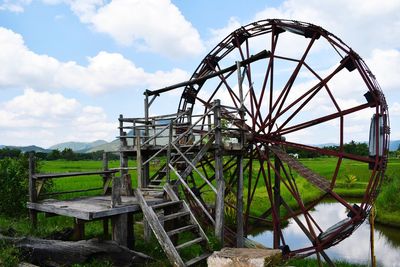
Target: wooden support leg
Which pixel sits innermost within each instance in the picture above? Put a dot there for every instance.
(146, 231)
(105, 228)
(122, 229)
(79, 229)
(33, 217)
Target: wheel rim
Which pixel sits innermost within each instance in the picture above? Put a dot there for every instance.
(279, 109)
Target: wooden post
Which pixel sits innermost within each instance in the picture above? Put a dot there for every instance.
(105, 166)
(79, 229)
(219, 175)
(139, 160)
(32, 190)
(170, 133)
(141, 180)
(146, 167)
(106, 177)
(239, 196)
(277, 202)
(372, 239)
(123, 144)
(105, 228)
(116, 192)
(122, 229)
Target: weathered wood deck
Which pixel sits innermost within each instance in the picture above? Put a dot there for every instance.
(90, 208)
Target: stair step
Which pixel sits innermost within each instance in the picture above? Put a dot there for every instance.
(152, 189)
(173, 215)
(166, 204)
(155, 186)
(182, 229)
(197, 259)
(191, 242)
(156, 181)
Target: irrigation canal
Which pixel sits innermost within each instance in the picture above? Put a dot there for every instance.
(354, 249)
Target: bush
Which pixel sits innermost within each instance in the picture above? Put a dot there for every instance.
(14, 185)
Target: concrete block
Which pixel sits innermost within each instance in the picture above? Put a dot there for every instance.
(245, 257)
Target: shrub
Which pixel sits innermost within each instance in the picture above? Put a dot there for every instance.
(14, 173)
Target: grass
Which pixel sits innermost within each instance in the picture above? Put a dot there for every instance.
(388, 204)
(9, 256)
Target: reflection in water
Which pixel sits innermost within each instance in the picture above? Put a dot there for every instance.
(355, 249)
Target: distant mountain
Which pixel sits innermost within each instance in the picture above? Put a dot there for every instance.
(108, 147)
(78, 146)
(29, 148)
(326, 144)
(394, 145)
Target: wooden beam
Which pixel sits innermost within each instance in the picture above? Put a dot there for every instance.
(32, 190)
(219, 175)
(239, 193)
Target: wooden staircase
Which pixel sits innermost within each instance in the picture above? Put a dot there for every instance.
(169, 221)
(182, 162)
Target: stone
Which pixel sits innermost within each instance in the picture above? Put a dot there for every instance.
(245, 257)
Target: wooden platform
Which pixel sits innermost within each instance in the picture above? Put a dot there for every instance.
(90, 208)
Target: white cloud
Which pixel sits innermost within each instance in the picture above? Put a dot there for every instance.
(385, 64)
(150, 25)
(364, 25)
(45, 118)
(155, 25)
(16, 6)
(395, 109)
(105, 72)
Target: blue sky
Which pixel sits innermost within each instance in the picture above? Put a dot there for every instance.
(69, 67)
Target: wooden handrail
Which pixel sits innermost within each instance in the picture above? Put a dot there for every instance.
(70, 174)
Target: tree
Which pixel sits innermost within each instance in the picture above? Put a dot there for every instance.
(54, 154)
(9, 153)
(68, 154)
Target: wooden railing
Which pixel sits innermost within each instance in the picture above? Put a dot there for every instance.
(37, 180)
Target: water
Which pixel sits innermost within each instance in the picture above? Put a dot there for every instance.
(354, 249)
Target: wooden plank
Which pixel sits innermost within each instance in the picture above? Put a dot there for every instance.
(198, 259)
(190, 243)
(71, 191)
(173, 216)
(159, 232)
(70, 174)
(166, 204)
(66, 212)
(182, 229)
(90, 208)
